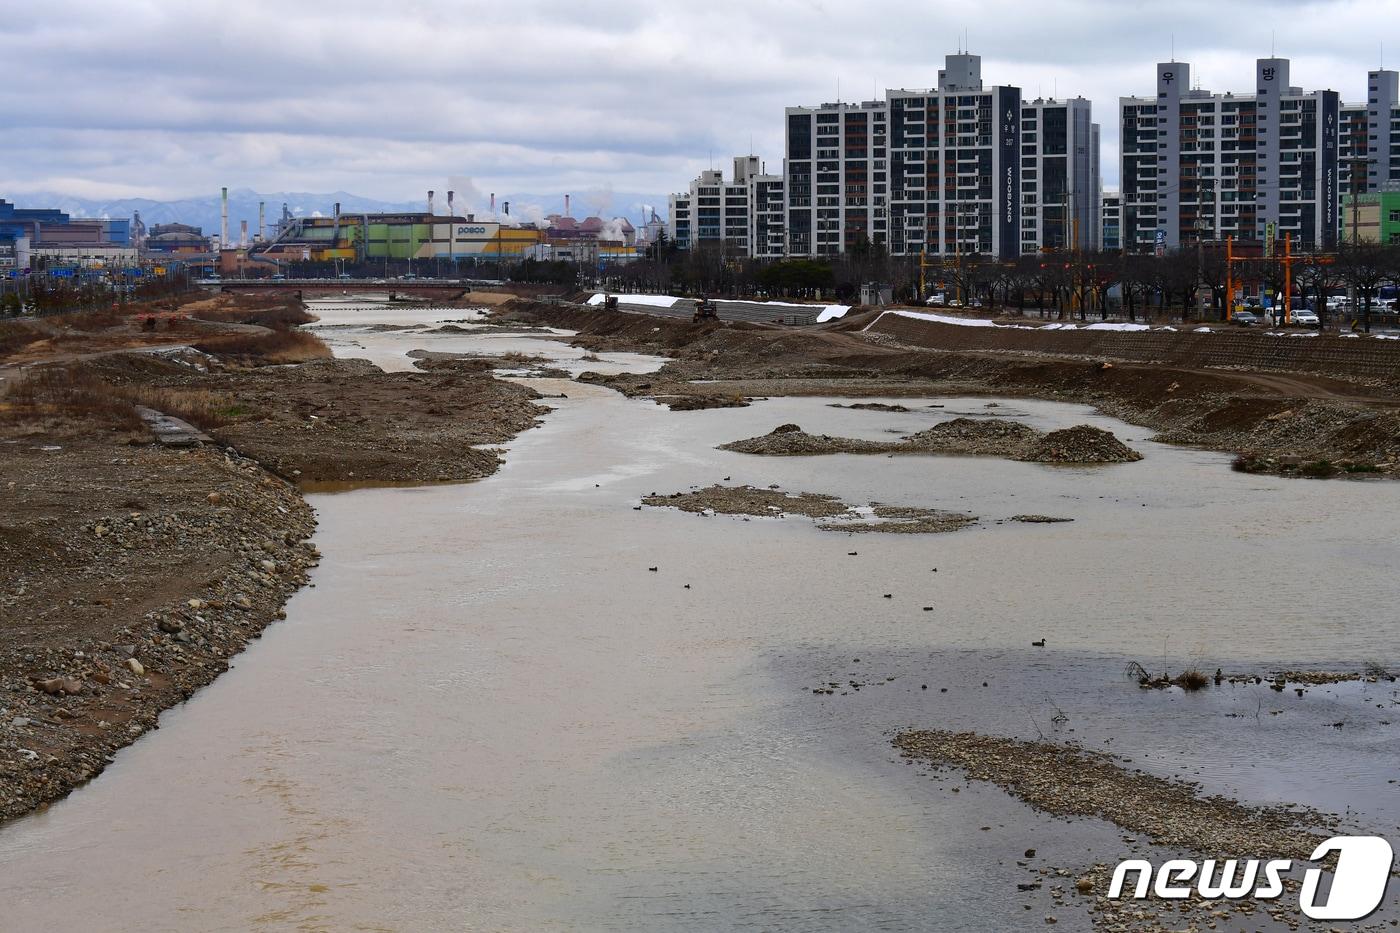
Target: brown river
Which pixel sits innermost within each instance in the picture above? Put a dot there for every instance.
(489, 714)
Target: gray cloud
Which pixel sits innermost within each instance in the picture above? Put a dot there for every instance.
(165, 98)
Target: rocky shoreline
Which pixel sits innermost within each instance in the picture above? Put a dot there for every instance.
(82, 678)
(1071, 782)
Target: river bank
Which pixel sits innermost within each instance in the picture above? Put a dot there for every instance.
(1295, 423)
(132, 572)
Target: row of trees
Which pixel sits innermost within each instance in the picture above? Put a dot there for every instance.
(1187, 283)
(42, 296)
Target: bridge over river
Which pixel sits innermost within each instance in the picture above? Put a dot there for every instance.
(417, 288)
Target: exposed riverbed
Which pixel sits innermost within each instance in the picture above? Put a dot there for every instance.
(490, 713)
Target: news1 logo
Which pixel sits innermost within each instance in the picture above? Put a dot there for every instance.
(1358, 883)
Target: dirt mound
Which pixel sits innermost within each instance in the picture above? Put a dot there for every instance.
(870, 406)
(750, 500)
(905, 520)
(702, 402)
(977, 436)
(789, 440)
(773, 503)
(1082, 443)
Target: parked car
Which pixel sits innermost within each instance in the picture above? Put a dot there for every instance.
(1305, 317)
(1245, 319)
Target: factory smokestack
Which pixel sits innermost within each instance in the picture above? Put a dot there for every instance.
(493, 202)
(223, 224)
(243, 235)
(261, 222)
(566, 205)
(430, 202)
(449, 204)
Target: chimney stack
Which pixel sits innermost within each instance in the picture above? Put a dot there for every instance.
(493, 202)
(243, 235)
(223, 225)
(566, 205)
(262, 234)
(449, 203)
(430, 202)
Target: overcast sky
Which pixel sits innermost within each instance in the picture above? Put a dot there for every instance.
(386, 99)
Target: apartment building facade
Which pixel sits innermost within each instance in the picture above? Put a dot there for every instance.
(719, 213)
(1060, 184)
(961, 168)
(1370, 137)
(1111, 225)
(767, 209)
(1198, 166)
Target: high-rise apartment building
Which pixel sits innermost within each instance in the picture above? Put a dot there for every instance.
(1200, 166)
(1370, 137)
(720, 213)
(959, 169)
(962, 168)
(1111, 237)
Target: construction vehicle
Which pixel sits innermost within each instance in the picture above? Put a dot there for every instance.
(705, 310)
(609, 302)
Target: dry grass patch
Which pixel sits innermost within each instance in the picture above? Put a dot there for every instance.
(70, 391)
(277, 347)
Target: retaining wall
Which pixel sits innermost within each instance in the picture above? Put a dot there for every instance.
(1340, 357)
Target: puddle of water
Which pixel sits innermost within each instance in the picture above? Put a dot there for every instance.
(491, 714)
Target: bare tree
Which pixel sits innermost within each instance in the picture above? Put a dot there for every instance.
(1365, 267)
(1317, 274)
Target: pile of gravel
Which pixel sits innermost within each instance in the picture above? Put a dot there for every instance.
(749, 500)
(1082, 443)
(870, 406)
(976, 436)
(789, 440)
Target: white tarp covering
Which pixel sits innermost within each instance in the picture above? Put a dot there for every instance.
(942, 319)
(983, 322)
(651, 301)
(1111, 325)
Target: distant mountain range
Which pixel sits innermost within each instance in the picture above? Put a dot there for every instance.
(243, 205)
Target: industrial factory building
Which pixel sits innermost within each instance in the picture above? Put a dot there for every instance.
(431, 236)
(44, 236)
(176, 240)
(54, 228)
(369, 237)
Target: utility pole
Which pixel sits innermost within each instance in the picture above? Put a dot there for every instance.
(1358, 165)
(1229, 278)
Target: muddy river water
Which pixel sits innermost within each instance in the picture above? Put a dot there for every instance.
(490, 714)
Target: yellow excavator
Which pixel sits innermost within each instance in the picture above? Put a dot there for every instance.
(705, 310)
